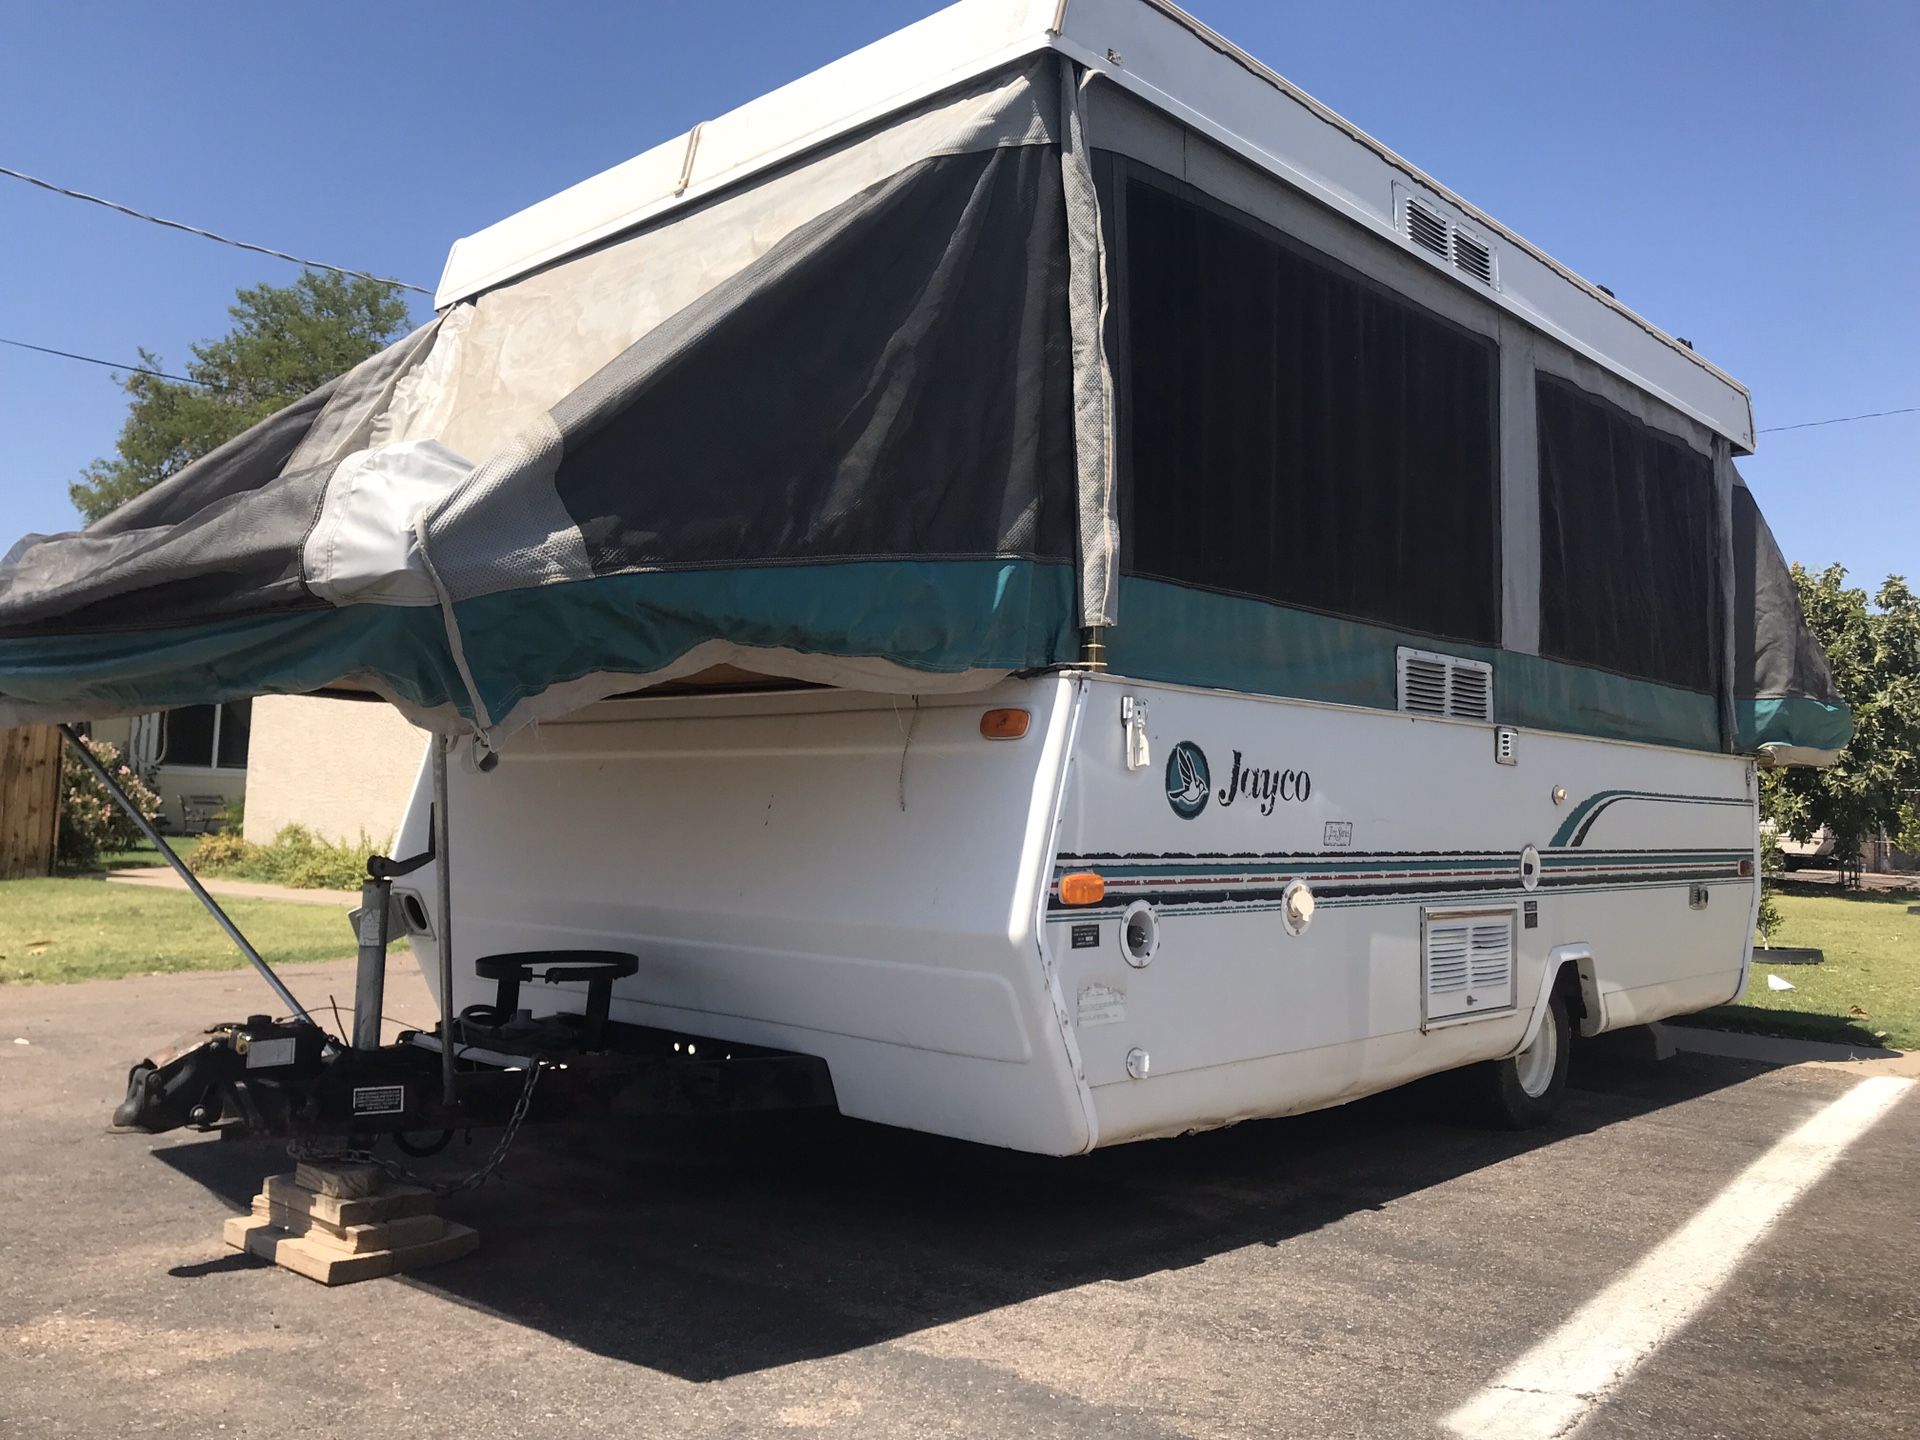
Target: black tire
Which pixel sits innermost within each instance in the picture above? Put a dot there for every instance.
(1499, 1094)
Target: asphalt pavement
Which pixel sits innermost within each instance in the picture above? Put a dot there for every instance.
(1365, 1271)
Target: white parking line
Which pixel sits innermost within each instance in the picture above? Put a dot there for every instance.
(1553, 1387)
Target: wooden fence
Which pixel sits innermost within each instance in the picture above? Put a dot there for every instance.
(29, 800)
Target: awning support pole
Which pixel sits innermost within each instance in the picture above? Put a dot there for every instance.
(443, 884)
(1093, 648)
(145, 826)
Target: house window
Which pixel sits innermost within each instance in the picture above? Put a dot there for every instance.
(1297, 432)
(208, 737)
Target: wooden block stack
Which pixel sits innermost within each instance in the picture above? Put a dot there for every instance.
(341, 1223)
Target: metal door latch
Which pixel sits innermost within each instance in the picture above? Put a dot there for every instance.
(1133, 718)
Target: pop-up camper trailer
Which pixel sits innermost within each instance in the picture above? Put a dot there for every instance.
(1036, 570)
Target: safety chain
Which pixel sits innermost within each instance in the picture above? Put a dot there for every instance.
(302, 1150)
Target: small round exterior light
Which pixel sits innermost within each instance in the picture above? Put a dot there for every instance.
(1296, 907)
(1139, 1063)
(1530, 869)
(1139, 934)
(1559, 794)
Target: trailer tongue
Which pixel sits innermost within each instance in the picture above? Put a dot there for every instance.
(291, 1079)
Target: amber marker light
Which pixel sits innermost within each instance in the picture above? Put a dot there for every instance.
(1746, 869)
(1004, 724)
(1082, 888)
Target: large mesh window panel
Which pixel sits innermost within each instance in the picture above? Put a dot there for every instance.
(1295, 431)
(902, 390)
(1627, 542)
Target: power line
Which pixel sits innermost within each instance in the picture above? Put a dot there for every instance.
(110, 364)
(206, 234)
(208, 384)
(1839, 420)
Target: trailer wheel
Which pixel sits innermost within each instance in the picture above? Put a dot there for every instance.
(1524, 1090)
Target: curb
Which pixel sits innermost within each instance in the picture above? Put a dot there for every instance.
(1774, 1050)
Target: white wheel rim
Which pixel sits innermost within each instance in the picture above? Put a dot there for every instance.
(1534, 1066)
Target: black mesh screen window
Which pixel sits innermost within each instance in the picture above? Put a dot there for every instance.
(1627, 542)
(1297, 432)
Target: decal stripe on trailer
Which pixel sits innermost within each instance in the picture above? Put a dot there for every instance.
(1574, 831)
(1195, 883)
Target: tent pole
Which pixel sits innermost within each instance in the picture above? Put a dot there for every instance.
(1093, 647)
(145, 826)
(443, 884)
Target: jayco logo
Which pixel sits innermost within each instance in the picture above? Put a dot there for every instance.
(1264, 785)
(1187, 780)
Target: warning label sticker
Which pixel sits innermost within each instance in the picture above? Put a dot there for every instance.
(1100, 1005)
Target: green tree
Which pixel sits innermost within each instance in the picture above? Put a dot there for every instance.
(1874, 649)
(286, 340)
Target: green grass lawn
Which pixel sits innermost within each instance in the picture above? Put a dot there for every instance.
(139, 854)
(145, 854)
(1867, 992)
(81, 928)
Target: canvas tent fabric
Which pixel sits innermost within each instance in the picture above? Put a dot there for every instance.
(824, 427)
(1784, 702)
(875, 419)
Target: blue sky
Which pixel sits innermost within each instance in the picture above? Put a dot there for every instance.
(1741, 173)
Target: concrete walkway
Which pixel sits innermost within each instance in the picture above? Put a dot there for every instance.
(161, 877)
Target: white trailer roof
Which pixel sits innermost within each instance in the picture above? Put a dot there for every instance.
(1159, 53)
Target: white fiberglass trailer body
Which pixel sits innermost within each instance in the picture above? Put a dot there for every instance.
(1037, 565)
(874, 882)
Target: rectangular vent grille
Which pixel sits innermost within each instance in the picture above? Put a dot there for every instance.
(1473, 256)
(1467, 960)
(1430, 229)
(1444, 685)
(1425, 228)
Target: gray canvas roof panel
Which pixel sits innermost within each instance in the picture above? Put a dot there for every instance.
(1174, 63)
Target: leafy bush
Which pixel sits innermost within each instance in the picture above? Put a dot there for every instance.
(297, 857)
(1773, 864)
(91, 820)
(219, 851)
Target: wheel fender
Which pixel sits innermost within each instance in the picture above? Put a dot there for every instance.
(1580, 956)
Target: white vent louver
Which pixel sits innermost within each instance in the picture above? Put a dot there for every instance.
(1467, 960)
(1473, 255)
(1445, 685)
(1425, 228)
(1431, 230)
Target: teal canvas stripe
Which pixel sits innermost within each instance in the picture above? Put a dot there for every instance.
(1231, 642)
(1792, 720)
(1546, 694)
(940, 616)
(288, 654)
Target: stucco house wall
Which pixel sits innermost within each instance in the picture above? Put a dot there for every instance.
(339, 767)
